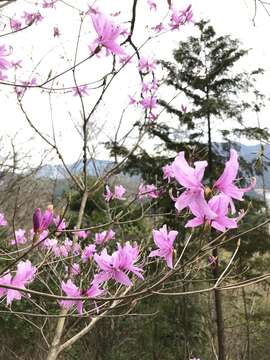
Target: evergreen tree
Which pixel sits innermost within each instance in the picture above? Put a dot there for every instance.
(204, 73)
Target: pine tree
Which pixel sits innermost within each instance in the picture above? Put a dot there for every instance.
(204, 73)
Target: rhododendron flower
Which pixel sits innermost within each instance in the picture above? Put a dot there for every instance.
(158, 28)
(88, 252)
(4, 63)
(119, 192)
(94, 291)
(80, 90)
(132, 100)
(71, 290)
(152, 5)
(49, 4)
(150, 86)
(60, 251)
(168, 172)
(76, 249)
(164, 241)
(24, 275)
(19, 237)
(30, 18)
(219, 204)
(190, 178)
(108, 193)
(149, 102)
(3, 221)
(104, 236)
(16, 64)
(41, 221)
(50, 243)
(116, 265)
(146, 65)
(225, 183)
(75, 269)
(56, 32)
(3, 77)
(82, 234)
(148, 191)
(59, 223)
(183, 108)
(180, 17)
(108, 34)
(15, 25)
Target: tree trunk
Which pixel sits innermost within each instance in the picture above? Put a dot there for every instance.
(215, 271)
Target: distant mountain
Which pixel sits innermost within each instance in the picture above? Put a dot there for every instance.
(94, 167)
(248, 152)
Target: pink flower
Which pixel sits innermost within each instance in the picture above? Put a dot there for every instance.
(168, 172)
(104, 236)
(76, 249)
(3, 77)
(150, 86)
(56, 32)
(219, 204)
(146, 65)
(117, 265)
(132, 100)
(19, 237)
(15, 25)
(3, 221)
(183, 108)
(149, 102)
(190, 178)
(158, 28)
(50, 243)
(180, 17)
(60, 251)
(82, 234)
(94, 291)
(24, 275)
(41, 221)
(80, 90)
(152, 5)
(32, 17)
(71, 290)
(108, 34)
(164, 241)
(50, 4)
(75, 269)
(88, 252)
(4, 64)
(59, 223)
(148, 191)
(119, 192)
(16, 64)
(225, 183)
(108, 195)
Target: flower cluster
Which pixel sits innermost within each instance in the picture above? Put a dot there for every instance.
(216, 210)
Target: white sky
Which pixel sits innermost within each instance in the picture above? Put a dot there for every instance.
(41, 53)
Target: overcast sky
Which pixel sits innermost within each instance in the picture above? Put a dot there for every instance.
(41, 52)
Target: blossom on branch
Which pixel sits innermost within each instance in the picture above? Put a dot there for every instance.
(108, 33)
(70, 289)
(225, 183)
(117, 265)
(164, 240)
(190, 178)
(24, 275)
(3, 221)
